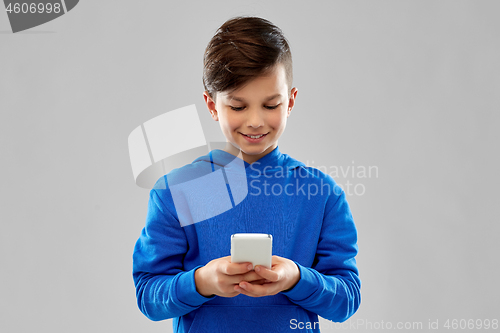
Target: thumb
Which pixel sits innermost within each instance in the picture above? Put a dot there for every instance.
(267, 273)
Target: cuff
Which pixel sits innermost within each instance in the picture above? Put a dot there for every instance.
(186, 289)
(306, 286)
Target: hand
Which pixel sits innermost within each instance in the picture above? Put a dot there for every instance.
(283, 275)
(220, 276)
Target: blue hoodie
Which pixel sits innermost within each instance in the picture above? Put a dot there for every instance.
(311, 224)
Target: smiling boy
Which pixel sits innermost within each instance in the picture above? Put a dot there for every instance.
(185, 272)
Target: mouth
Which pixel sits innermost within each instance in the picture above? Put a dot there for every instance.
(255, 136)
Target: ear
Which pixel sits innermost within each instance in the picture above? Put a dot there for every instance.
(291, 101)
(210, 105)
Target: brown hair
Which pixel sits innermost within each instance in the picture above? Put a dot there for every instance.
(243, 48)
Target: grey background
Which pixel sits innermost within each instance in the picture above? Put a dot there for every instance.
(411, 87)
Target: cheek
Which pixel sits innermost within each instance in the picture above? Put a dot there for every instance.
(228, 125)
(233, 122)
(278, 121)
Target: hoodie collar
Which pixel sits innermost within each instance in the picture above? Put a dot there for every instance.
(270, 163)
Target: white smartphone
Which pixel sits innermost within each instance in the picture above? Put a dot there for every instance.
(252, 247)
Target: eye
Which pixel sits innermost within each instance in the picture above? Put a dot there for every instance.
(272, 107)
(242, 107)
(237, 109)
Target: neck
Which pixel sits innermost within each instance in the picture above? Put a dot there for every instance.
(247, 158)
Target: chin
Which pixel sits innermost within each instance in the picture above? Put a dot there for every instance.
(255, 150)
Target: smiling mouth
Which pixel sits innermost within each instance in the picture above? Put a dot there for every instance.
(257, 136)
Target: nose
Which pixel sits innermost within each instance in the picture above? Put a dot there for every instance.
(255, 118)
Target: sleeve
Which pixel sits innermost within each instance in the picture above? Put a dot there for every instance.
(331, 287)
(163, 289)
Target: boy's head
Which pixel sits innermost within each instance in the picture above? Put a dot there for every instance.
(246, 62)
(242, 49)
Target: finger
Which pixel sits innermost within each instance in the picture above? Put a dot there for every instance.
(249, 277)
(271, 275)
(260, 290)
(244, 292)
(254, 290)
(237, 278)
(240, 268)
(240, 290)
(258, 282)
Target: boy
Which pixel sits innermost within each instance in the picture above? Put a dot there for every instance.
(185, 272)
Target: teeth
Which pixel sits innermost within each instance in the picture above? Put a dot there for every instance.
(254, 137)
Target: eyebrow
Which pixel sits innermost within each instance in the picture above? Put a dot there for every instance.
(231, 97)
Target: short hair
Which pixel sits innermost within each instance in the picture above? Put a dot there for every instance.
(242, 49)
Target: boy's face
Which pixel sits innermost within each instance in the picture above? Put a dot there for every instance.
(260, 107)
